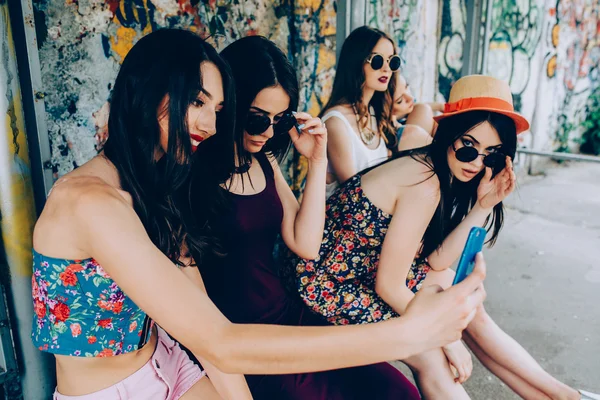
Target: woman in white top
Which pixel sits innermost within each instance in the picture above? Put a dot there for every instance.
(358, 114)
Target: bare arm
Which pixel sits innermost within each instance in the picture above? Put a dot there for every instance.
(437, 106)
(452, 246)
(402, 240)
(108, 230)
(339, 150)
(302, 225)
(229, 386)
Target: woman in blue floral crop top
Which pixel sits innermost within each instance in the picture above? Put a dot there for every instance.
(100, 274)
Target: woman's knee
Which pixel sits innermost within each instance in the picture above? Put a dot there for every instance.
(443, 278)
(413, 137)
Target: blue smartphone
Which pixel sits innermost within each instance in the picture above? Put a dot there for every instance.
(467, 259)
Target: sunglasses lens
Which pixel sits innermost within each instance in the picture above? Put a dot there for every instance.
(285, 123)
(377, 62)
(466, 154)
(257, 124)
(395, 63)
(495, 160)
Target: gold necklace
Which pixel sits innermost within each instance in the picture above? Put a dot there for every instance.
(366, 137)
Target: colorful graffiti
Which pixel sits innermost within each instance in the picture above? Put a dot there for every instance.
(514, 38)
(573, 62)
(83, 43)
(452, 38)
(17, 211)
(312, 48)
(410, 24)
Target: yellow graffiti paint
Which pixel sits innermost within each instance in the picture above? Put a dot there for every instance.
(123, 41)
(555, 35)
(551, 67)
(125, 37)
(16, 192)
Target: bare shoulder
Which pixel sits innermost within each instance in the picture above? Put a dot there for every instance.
(345, 109)
(73, 199)
(413, 176)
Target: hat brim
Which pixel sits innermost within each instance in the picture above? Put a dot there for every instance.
(521, 123)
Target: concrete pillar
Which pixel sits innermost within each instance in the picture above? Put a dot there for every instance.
(17, 209)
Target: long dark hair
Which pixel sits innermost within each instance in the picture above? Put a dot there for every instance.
(350, 79)
(166, 63)
(458, 198)
(257, 63)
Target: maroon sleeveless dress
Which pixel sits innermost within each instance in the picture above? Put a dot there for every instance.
(246, 287)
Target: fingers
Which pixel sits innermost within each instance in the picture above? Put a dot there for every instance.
(308, 125)
(462, 374)
(488, 175)
(473, 280)
(302, 117)
(455, 371)
(431, 289)
(469, 368)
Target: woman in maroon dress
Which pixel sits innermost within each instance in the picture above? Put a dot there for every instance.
(245, 284)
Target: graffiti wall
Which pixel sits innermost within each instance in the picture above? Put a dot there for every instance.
(538, 46)
(452, 31)
(572, 63)
(83, 43)
(413, 26)
(548, 50)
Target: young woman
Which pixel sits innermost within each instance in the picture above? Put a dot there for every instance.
(358, 114)
(398, 227)
(406, 113)
(111, 252)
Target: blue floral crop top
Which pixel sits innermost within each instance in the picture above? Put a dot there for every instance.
(80, 311)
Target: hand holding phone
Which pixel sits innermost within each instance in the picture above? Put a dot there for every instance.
(467, 259)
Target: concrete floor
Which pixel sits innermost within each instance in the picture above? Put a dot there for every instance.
(543, 279)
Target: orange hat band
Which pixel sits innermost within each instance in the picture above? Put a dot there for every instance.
(491, 103)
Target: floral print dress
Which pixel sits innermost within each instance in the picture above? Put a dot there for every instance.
(340, 283)
(80, 311)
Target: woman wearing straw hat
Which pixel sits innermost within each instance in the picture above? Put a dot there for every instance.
(399, 226)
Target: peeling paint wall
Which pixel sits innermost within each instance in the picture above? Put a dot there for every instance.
(413, 26)
(547, 49)
(83, 43)
(17, 218)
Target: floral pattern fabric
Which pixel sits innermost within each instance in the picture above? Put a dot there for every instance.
(80, 311)
(340, 283)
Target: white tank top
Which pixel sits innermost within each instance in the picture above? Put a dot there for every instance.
(362, 156)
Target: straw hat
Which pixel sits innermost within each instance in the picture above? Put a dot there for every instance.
(479, 92)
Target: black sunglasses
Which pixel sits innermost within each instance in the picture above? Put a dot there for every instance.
(257, 124)
(377, 60)
(495, 161)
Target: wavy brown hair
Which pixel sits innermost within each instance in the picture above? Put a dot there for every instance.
(350, 80)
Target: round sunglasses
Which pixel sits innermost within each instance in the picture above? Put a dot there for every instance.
(496, 161)
(257, 124)
(377, 60)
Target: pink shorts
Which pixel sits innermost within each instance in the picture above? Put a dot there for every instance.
(167, 375)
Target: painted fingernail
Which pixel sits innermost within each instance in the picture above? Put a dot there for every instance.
(301, 126)
(311, 130)
(294, 113)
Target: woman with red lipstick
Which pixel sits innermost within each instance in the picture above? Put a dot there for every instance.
(396, 228)
(358, 114)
